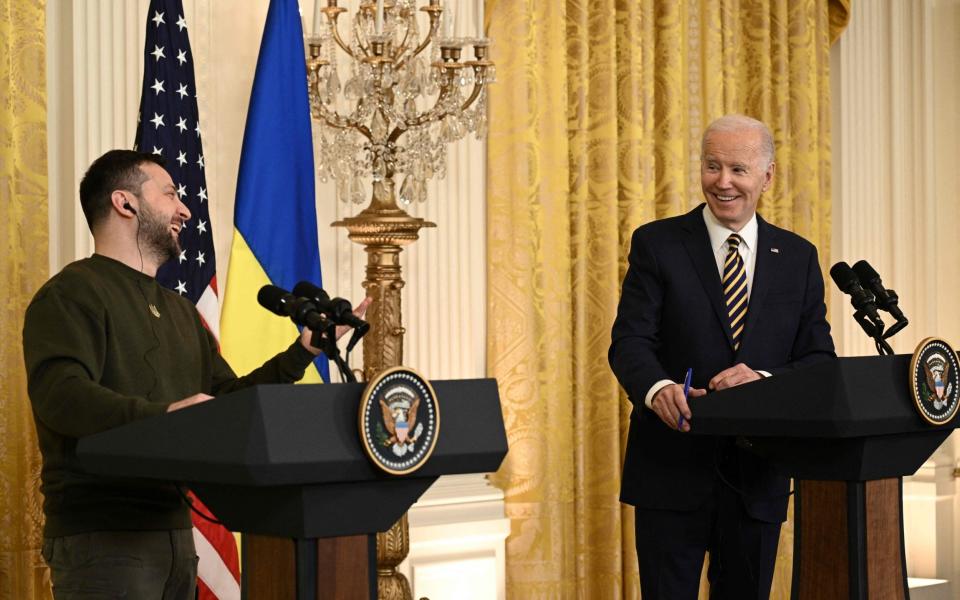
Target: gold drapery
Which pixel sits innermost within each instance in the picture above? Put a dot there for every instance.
(23, 268)
(595, 127)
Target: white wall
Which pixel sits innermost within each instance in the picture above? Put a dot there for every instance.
(896, 124)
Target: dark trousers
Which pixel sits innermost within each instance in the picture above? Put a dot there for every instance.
(671, 547)
(140, 565)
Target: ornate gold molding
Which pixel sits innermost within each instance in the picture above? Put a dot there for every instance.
(384, 229)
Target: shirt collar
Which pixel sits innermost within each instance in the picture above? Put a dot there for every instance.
(719, 232)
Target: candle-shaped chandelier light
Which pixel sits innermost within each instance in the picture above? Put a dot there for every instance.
(390, 91)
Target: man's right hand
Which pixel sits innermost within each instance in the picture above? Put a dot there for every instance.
(189, 401)
(669, 404)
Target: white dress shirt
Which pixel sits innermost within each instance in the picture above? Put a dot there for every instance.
(719, 233)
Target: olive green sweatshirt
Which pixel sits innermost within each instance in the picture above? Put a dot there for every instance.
(105, 345)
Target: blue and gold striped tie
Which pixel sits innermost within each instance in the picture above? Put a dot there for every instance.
(734, 284)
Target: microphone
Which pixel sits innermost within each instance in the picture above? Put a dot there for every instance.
(886, 299)
(337, 310)
(862, 300)
(281, 302)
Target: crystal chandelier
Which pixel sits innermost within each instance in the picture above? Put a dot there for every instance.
(387, 97)
(390, 95)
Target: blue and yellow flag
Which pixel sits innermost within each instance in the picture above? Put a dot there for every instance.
(275, 221)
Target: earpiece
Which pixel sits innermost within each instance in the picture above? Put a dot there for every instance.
(127, 206)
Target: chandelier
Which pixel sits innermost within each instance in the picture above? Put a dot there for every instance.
(389, 92)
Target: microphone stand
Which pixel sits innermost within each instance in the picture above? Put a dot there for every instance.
(326, 340)
(895, 328)
(889, 302)
(883, 348)
(875, 331)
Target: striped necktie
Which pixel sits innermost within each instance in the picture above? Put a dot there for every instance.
(735, 288)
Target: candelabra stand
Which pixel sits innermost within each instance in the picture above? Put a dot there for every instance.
(394, 116)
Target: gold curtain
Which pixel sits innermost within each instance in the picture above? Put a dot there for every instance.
(595, 126)
(23, 268)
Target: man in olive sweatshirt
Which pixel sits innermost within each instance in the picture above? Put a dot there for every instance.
(105, 344)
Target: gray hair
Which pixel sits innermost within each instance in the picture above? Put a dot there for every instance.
(728, 123)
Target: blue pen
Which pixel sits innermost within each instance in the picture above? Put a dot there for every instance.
(686, 392)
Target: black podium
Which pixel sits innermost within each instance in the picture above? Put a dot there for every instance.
(284, 463)
(847, 432)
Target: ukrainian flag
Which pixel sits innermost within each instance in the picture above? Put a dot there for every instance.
(275, 221)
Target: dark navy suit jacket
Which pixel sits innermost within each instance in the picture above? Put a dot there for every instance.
(672, 316)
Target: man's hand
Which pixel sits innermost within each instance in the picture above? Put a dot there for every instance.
(736, 375)
(358, 311)
(669, 404)
(189, 401)
(307, 334)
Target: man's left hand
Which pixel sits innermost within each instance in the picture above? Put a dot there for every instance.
(307, 334)
(736, 375)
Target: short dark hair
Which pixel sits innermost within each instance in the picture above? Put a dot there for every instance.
(115, 170)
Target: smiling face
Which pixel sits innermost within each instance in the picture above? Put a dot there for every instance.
(734, 173)
(162, 215)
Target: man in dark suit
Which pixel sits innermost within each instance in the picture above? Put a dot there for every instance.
(724, 293)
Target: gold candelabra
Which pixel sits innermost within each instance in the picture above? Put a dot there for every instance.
(387, 99)
(398, 108)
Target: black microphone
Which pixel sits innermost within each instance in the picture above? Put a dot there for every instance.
(886, 299)
(862, 300)
(337, 310)
(332, 308)
(281, 302)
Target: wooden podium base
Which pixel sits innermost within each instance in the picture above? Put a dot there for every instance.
(848, 540)
(277, 568)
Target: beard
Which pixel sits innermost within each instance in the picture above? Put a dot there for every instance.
(155, 236)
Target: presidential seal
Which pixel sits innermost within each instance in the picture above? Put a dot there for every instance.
(399, 420)
(934, 381)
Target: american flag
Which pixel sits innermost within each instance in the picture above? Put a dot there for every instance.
(169, 125)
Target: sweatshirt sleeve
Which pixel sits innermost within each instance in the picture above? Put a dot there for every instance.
(286, 367)
(64, 348)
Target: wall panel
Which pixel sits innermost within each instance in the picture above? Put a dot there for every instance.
(896, 88)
